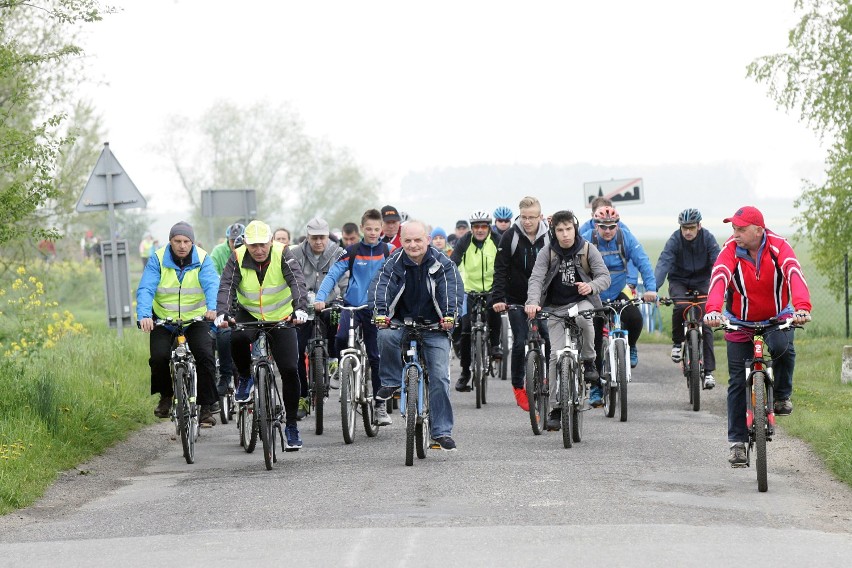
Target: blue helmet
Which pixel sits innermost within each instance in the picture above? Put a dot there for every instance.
(235, 230)
(689, 216)
(503, 212)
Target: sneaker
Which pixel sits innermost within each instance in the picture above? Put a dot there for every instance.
(463, 384)
(207, 420)
(294, 442)
(304, 406)
(783, 407)
(709, 381)
(634, 356)
(522, 400)
(382, 418)
(215, 408)
(589, 372)
(738, 456)
(245, 389)
(496, 352)
(386, 393)
(333, 375)
(596, 397)
(164, 407)
(676, 349)
(554, 420)
(446, 443)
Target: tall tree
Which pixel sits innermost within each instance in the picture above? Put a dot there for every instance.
(814, 77)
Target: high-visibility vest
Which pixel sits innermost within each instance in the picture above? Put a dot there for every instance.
(179, 299)
(272, 300)
(477, 266)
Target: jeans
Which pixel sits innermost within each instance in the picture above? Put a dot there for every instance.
(198, 336)
(436, 351)
(780, 345)
(677, 289)
(518, 322)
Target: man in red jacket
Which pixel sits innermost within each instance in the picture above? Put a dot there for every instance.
(758, 277)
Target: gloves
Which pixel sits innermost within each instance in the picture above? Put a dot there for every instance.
(300, 316)
(219, 320)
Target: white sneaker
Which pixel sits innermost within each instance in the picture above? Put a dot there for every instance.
(382, 418)
(709, 381)
(333, 374)
(676, 349)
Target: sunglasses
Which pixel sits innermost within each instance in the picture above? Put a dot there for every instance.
(608, 227)
(480, 225)
(504, 220)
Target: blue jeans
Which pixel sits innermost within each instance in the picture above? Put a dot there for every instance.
(436, 350)
(518, 322)
(783, 362)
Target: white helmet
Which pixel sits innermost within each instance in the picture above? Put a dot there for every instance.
(480, 217)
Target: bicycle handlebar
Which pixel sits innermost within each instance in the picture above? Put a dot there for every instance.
(260, 324)
(180, 323)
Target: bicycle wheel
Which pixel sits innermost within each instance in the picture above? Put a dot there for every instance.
(578, 395)
(535, 391)
(371, 426)
(758, 400)
(265, 415)
(694, 361)
(565, 369)
(621, 377)
(224, 409)
(507, 349)
(245, 424)
(476, 366)
(182, 412)
(320, 384)
(610, 393)
(488, 368)
(422, 432)
(348, 399)
(411, 378)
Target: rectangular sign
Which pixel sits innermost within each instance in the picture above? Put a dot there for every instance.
(229, 203)
(620, 191)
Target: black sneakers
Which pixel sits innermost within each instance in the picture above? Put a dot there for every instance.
(463, 384)
(783, 407)
(554, 420)
(386, 393)
(590, 374)
(164, 407)
(447, 444)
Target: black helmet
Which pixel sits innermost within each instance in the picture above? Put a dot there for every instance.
(689, 216)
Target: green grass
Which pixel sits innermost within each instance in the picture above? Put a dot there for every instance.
(66, 405)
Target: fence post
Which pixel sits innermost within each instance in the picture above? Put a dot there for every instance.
(846, 289)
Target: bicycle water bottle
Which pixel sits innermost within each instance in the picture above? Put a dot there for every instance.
(311, 299)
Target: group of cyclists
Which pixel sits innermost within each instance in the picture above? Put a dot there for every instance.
(403, 269)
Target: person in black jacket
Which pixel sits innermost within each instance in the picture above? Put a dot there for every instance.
(687, 260)
(516, 255)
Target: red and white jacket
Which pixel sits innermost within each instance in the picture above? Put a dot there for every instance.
(758, 290)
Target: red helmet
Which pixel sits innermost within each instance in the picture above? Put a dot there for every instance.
(607, 214)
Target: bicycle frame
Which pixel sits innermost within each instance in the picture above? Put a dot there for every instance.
(615, 333)
(480, 356)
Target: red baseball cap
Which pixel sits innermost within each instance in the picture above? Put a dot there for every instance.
(746, 216)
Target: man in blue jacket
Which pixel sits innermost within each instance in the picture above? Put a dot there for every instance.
(419, 282)
(687, 260)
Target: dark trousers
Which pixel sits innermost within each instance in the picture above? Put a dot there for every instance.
(494, 324)
(201, 346)
(226, 361)
(305, 332)
(518, 322)
(783, 362)
(678, 290)
(370, 334)
(283, 345)
(631, 320)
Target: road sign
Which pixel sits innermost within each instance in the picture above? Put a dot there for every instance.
(620, 191)
(124, 192)
(228, 203)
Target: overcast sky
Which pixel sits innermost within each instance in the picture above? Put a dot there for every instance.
(408, 86)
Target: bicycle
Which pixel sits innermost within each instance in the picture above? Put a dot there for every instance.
(760, 401)
(185, 411)
(535, 377)
(506, 345)
(318, 376)
(480, 356)
(266, 401)
(692, 358)
(227, 401)
(356, 385)
(572, 392)
(615, 374)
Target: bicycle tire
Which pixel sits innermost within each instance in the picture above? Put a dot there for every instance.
(264, 415)
(758, 387)
(245, 420)
(411, 377)
(578, 395)
(224, 411)
(254, 426)
(610, 393)
(182, 411)
(621, 376)
(368, 410)
(348, 399)
(507, 349)
(318, 376)
(488, 368)
(476, 367)
(534, 387)
(694, 355)
(564, 370)
(422, 432)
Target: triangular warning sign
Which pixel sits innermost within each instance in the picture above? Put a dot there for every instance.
(124, 192)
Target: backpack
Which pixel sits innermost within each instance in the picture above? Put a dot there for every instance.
(619, 241)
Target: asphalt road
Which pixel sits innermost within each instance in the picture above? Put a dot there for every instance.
(654, 490)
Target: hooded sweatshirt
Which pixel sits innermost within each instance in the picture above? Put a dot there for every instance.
(512, 270)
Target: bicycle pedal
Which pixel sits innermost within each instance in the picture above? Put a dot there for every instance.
(740, 465)
(434, 446)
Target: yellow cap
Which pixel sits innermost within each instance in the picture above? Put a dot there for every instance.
(257, 232)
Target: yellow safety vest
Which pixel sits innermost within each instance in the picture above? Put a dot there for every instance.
(271, 301)
(179, 299)
(477, 266)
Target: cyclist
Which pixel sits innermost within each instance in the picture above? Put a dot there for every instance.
(589, 226)
(781, 293)
(687, 260)
(361, 262)
(475, 254)
(568, 272)
(619, 248)
(315, 256)
(281, 235)
(439, 240)
(421, 283)
(391, 220)
(350, 234)
(262, 281)
(462, 228)
(513, 266)
(146, 247)
(179, 282)
(502, 220)
(220, 255)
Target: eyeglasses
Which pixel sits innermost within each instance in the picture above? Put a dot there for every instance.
(607, 227)
(530, 219)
